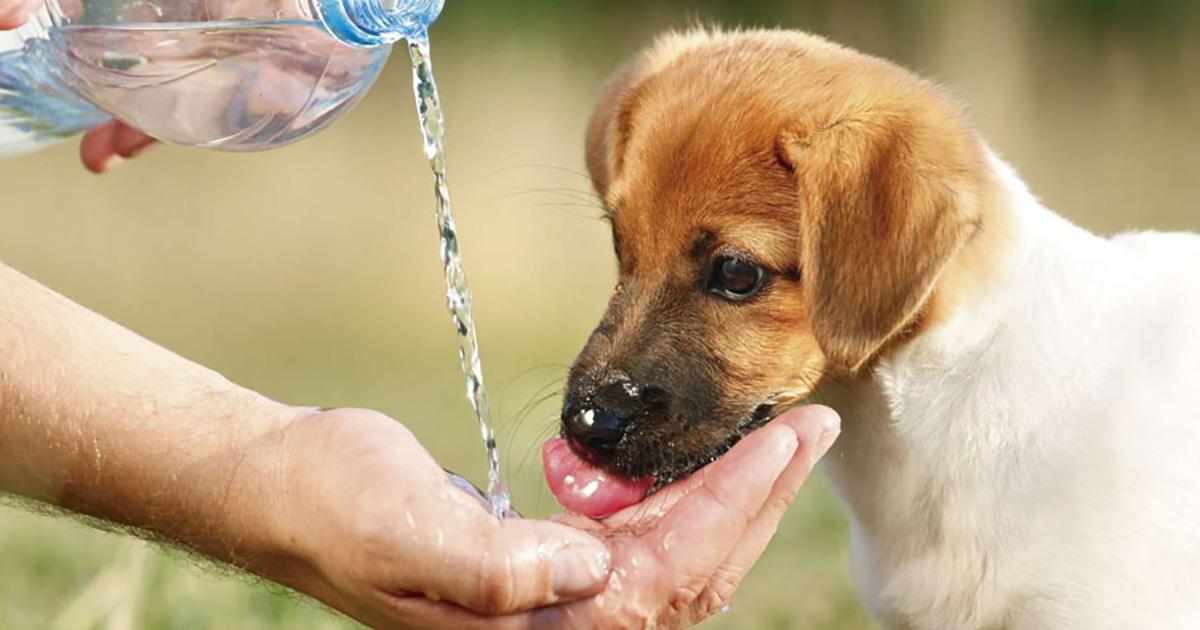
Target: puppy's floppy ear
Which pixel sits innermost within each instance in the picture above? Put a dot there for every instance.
(609, 129)
(885, 201)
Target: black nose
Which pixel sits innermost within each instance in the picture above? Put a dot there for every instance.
(596, 421)
(594, 432)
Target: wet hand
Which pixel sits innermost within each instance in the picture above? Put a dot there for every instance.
(104, 147)
(678, 557)
(373, 527)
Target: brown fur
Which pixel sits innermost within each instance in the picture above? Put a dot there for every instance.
(852, 181)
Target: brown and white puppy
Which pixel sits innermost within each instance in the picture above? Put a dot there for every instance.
(1019, 396)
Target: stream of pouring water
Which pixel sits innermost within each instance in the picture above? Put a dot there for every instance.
(458, 292)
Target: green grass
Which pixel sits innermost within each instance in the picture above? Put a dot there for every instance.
(311, 273)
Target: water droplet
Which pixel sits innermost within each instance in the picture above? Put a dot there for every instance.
(590, 489)
(615, 580)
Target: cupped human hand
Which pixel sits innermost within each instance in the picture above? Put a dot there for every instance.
(104, 147)
(371, 525)
(675, 559)
(679, 556)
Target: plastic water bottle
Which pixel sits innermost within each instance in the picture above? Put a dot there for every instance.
(238, 75)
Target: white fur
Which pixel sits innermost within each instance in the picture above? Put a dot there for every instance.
(1034, 461)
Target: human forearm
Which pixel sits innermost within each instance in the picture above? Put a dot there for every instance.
(98, 420)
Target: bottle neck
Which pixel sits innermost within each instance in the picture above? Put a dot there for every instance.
(377, 22)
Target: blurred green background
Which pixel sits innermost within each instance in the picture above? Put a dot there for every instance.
(311, 273)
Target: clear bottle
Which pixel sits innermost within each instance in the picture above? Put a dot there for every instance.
(237, 75)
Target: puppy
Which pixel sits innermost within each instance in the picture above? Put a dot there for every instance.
(1020, 398)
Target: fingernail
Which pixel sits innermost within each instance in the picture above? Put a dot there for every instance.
(579, 569)
(830, 431)
(110, 163)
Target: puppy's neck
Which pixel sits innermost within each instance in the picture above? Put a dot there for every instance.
(940, 414)
(1020, 256)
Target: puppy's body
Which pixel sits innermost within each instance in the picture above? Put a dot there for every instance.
(1031, 461)
(1020, 398)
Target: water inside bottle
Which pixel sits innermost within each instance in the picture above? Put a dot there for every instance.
(232, 85)
(458, 291)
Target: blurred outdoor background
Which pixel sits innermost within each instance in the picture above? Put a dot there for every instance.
(311, 273)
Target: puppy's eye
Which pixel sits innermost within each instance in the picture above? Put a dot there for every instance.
(735, 279)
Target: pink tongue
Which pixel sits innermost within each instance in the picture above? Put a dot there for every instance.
(583, 488)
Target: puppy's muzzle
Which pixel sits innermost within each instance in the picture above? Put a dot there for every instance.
(595, 422)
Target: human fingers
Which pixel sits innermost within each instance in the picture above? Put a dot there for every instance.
(816, 429)
(14, 13)
(699, 532)
(96, 150)
(662, 572)
(129, 142)
(501, 567)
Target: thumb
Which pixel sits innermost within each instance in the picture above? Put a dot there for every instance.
(504, 567)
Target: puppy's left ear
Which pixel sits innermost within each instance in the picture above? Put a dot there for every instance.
(886, 200)
(608, 129)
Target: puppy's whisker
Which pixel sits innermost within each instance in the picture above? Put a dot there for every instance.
(569, 193)
(564, 208)
(561, 204)
(520, 375)
(570, 204)
(549, 167)
(517, 424)
(514, 425)
(542, 366)
(588, 195)
(557, 381)
(524, 414)
(535, 446)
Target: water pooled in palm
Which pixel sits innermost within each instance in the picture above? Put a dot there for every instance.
(458, 291)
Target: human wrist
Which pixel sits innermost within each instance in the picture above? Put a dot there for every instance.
(217, 493)
(246, 489)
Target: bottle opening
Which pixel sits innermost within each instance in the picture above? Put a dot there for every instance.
(377, 22)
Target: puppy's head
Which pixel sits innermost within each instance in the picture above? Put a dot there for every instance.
(782, 209)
